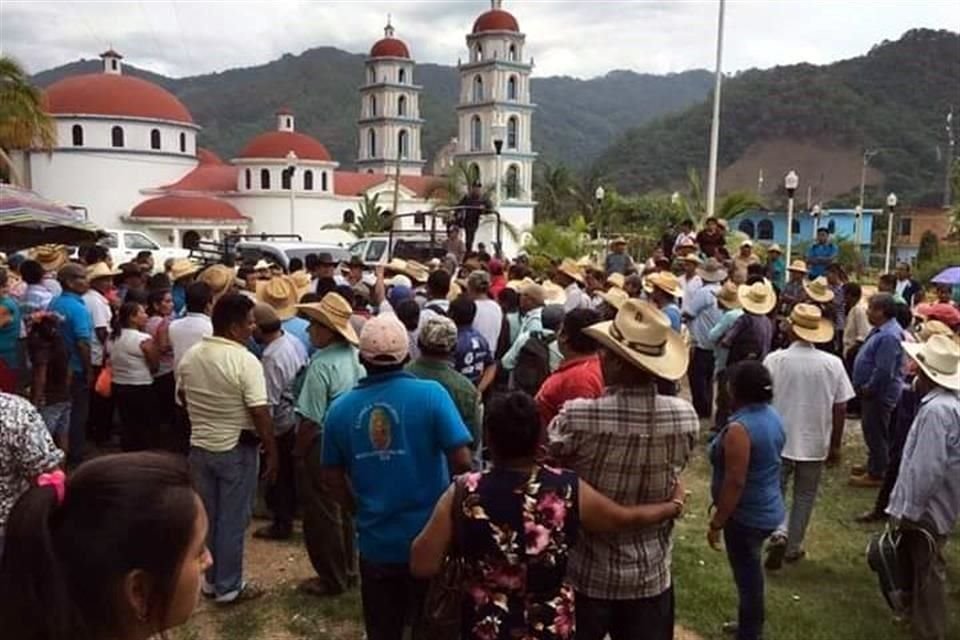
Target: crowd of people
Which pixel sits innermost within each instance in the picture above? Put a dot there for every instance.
(526, 431)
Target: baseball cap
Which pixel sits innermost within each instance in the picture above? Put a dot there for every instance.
(384, 340)
(439, 334)
(398, 294)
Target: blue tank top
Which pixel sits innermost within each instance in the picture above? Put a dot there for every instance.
(761, 504)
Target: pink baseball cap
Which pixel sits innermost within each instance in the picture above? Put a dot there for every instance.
(384, 340)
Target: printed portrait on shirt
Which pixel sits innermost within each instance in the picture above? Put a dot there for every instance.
(379, 429)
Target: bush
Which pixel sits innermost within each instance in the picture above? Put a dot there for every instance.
(929, 247)
(928, 269)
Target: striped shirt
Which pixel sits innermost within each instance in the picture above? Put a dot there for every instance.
(630, 444)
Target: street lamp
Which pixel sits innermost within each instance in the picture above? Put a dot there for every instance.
(891, 205)
(790, 182)
(497, 131)
(598, 198)
(816, 213)
(291, 170)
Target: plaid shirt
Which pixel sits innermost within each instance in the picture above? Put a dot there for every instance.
(630, 444)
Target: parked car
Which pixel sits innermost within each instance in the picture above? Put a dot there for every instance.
(124, 245)
(250, 251)
(373, 249)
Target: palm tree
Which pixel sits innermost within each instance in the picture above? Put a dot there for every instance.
(23, 122)
(693, 203)
(553, 191)
(737, 202)
(369, 220)
(557, 241)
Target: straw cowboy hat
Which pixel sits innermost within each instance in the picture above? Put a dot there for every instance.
(219, 278)
(570, 268)
(455, 291)
(931, 328)
(100, 270)
(553, 293)
(301, 281)
(414, 270)
(758, 298)
(517, 285)
(797, 265)
(181, 268)
(691, 257)
(50, 256)
(818, 290)
(618, 240)
(808, 323)
(774, 248)
(939, 358)
(640, 333)
(665, 281)
(333, 312)
(615, 297)
(616, 280)
(280, 293)
(728, 297)
(712, 271)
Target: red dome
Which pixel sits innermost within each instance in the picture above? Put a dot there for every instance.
(107, 94)
(496, 20)
(389, 48)
(205, 156)
(277, 144)
(189, 207)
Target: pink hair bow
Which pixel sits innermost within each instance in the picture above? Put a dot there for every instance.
(56, 479)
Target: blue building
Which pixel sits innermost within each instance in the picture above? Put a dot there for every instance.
(771, 226)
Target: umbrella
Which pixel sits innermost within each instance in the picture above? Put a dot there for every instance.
(950, 275)
(28, 219)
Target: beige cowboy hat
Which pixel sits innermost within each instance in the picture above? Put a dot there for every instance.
(641, 334)
(746, 243)
(585, 263)
(181, 268)
(818, 290)
(931, 328)
(553, 293)
(712, 271)
(691, 257)
(219, 278)
(808, 323)
(665, 281)
(570, 268)
(413, 270)
(333, 312)
(617, 280)
(758, 298)
(100, 270)
(615, 297)
(301, 281)
(618, 240)
(456, 290)
(939, 358)
(50, 256)
(728, 297)
(774, 248)
(797, 265)
(280, 293)
(518, 285)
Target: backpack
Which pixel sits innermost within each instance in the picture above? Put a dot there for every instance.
(883, 558)
(747, 345)
(436, 308)
(533, 363)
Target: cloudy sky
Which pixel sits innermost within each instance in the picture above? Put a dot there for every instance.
(581, 38)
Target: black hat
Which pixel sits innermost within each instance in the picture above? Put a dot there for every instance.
(325, 258)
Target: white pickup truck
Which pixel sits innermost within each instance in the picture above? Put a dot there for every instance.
(124, 245)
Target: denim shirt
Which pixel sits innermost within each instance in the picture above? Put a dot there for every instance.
(879, 364)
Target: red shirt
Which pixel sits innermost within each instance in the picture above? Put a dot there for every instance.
(575, 378)
(497, 284)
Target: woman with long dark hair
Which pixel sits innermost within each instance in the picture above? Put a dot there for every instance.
(115, 551)
(160, 314)
(745, 455)
(134, 358)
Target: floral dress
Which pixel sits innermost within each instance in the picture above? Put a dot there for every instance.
(514, 533)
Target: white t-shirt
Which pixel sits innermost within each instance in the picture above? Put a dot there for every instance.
(127, 359)
(488, 321)
(689, 287)
(101, 313)
(188, 331)
(576, 298)
(807, 383)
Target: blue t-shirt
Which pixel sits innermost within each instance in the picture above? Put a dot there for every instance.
(472, 354)
(819, 257)
(391, 435)
(77, 325)
(673, 312)
(10, 333)
(298, 328)
(179, 294)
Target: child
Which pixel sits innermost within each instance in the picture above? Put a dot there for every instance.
(473, 357)
(50, 388)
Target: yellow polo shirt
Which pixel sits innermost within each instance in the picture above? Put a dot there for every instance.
(221, 381)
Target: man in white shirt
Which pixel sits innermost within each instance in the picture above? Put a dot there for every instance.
(195, 324)
(100, 276)
(810, 392)
(489, 318)
(690, 282)
(569, 277)
(438, 288)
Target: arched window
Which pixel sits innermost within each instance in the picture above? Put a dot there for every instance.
(477, 89)
(155, 138)
(264, 178)
(403, 143)
(183, 143)
(323, 181)
(473, 173)
(248, 179)
(476, 134)
(371, 75)
(513, 181)
(402, 106)
(191, 239)
(371, 143)
(832, 227)
(513, 53)
(402, 76)
(286, 178)
(795, 227)
(289, 123)
(477, 53)
(765, 230)
(512, 129)
(77, 133)
(373, 106)
(747, 227)
(512, 88)
(308, 180)
(116, 136)
(349, 217)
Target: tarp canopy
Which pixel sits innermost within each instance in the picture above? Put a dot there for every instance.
(28, 219)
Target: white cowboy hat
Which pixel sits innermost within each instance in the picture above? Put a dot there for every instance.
(641, 334)
(939, 358)
(774, 248)
(615, 297)
(758, 298)
(100, 270)
(616, 280)
(553, 293)
(333, 312)
(665, 281)
(262, 265)
(818, 290)
(712, 271)
(808, 323)
(181, 268)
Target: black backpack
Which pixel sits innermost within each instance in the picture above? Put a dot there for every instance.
(533, 363)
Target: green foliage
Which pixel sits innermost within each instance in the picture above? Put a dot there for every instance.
(556, 241)
(848, 255)
(929, 247)
(369, 219)
(947, 257)
(23, 121)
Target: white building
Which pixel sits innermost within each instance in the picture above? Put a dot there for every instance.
(127, 152)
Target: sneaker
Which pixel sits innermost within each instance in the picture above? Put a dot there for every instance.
(730, 628)
(273, 532)
(866, 481)
(776, 549)
(248, 591)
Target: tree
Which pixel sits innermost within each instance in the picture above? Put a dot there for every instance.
(553, 190)
(929, 247)
(557, 241)
(23, 122)
(369, 220)
(693, 203)
(449, 189)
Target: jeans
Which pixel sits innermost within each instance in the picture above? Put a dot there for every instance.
(281, 496)
(79, 408)
(875, 421)
(900, 424)
(100, 415)
(226, 482)
(744, 545)
(641, 619)
(923, 559)
(806, 481)
(392, 599)
(700, 377)
(57, 418)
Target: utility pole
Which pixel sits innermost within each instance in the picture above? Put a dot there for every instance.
(947, 182)
(715, 125)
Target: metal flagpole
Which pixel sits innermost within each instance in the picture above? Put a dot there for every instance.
(715, 125)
